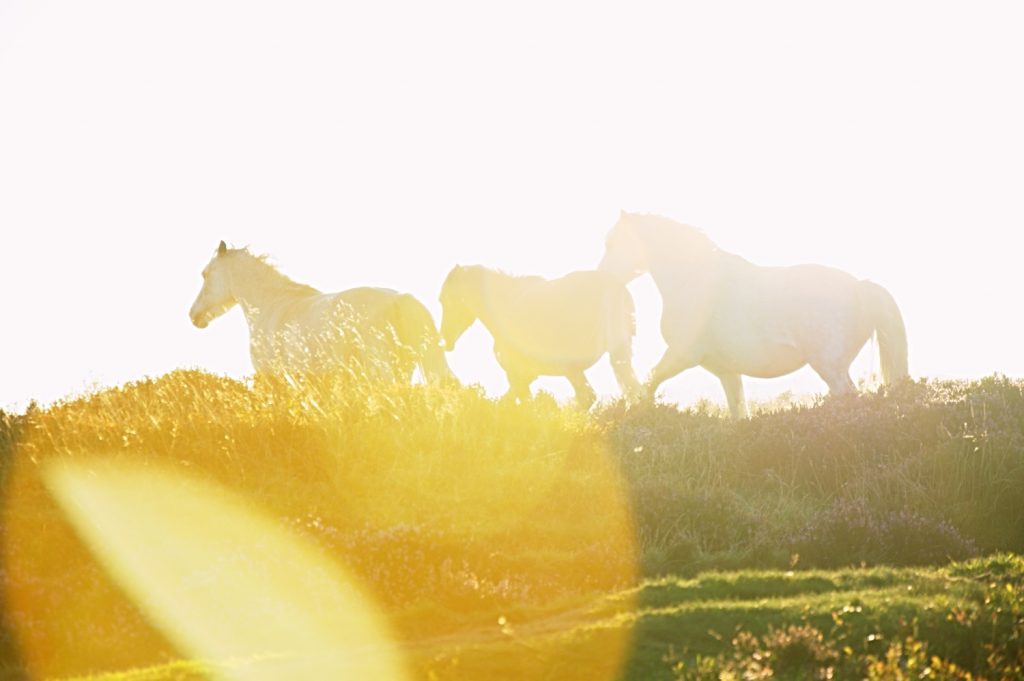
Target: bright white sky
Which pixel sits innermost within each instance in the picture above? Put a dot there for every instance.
(381, 143)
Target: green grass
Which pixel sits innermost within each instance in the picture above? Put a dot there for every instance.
(966, 616)
(533, 541)
(965, 612)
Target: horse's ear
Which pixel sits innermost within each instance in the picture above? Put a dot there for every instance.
(222, 249)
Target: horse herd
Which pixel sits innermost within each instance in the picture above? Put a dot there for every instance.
(720, 312)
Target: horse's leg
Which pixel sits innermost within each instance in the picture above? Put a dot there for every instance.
(832, 358)
(585, 394)
(836, 375)
(733, 385)
(518, 386)
(622, 365)
(673, 362)
(414, 327)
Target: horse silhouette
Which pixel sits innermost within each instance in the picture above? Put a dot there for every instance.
(559, 327)
(297, 330)
(735, 318)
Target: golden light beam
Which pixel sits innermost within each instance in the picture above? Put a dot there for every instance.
(220, 579)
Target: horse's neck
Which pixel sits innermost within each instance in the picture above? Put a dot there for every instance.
(668, 264)
(495, 287)
(259, 289)
(683, 280)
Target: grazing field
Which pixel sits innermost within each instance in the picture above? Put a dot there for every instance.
(877, 623)
(534, 541)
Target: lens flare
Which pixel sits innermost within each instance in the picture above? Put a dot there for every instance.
(221, 580)
(195, 520)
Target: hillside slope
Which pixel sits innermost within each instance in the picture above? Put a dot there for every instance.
(515, 536)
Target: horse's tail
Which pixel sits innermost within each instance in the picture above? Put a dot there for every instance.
(415, 328)
(620, 329)
(885, 316)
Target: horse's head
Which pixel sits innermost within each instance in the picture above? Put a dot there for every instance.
(216, 297)
(457, 310)
(624, 254)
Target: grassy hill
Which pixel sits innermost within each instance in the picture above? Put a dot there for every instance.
(959, 622)
(532, 541)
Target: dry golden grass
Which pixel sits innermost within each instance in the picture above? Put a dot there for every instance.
(466, 520)
(510, 541)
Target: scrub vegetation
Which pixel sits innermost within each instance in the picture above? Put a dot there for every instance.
(872, 536)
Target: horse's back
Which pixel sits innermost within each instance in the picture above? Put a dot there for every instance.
(398, 318)
(367, 301)
(586, 286)
(809, 296)
(378, 314)
(387, 306)
(767, 321)
(566, 320)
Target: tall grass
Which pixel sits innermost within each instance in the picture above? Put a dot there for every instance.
(456, 512)
(467, 518)
(926, 472)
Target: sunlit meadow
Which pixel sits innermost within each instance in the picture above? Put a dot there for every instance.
(167, 516)
(472, 525)
(472, 538)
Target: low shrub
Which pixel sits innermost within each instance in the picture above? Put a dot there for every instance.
(850, 532)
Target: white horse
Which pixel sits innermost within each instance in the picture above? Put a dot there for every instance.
(545, 328)
(735, 318)
(296, 330)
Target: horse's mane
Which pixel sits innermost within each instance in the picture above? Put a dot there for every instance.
(269, 272)
(483, 270)
(668, 230)
(508, 275)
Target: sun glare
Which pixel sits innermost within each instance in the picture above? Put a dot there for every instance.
(226, 584)
(363, 152)
(270, 533)
(400, 340)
